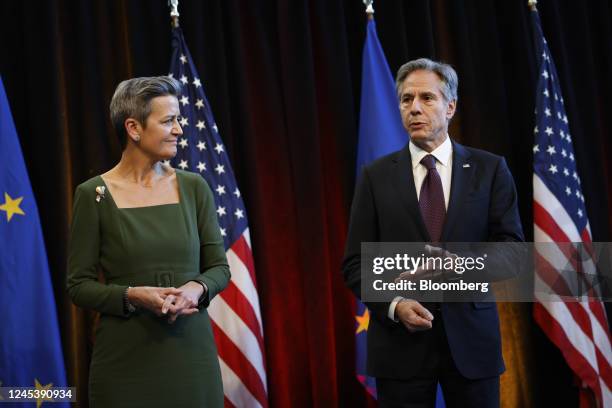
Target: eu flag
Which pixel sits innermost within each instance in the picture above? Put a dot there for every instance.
(380, 128)
(380, 132)
(30, 348)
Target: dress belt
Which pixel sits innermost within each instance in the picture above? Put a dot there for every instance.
(154, 278)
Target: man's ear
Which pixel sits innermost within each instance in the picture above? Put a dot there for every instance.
(450, 110)
(133, 129)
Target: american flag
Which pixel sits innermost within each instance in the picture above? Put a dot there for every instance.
(235, 314)
(578, 328)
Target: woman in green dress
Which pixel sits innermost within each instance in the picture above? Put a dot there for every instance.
(152, 231)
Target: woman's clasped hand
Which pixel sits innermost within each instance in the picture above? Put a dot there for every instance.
(171, 302)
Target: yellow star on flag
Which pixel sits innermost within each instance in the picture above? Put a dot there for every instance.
(39, 386)
(11, 206)
(363, 321)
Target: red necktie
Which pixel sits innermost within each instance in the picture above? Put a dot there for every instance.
(431, 199)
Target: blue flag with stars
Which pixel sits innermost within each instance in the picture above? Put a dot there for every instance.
(380, 132)
(30, 346)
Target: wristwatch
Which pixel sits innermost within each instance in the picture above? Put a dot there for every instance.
(204, 295)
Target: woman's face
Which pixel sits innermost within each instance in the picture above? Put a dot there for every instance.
(160, 137)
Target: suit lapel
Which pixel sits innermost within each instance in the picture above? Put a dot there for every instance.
(404, 184)
(463, 170)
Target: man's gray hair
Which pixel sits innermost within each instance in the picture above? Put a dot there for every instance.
(445, 72)
(132, 99)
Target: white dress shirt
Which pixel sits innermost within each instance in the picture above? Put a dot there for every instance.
(444, 165)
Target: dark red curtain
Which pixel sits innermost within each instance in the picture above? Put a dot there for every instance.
(283, 78)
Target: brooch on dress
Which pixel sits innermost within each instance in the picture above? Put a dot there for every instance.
(100, 193)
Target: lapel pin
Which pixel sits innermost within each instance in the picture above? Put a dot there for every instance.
(466, 165)
(100, 190)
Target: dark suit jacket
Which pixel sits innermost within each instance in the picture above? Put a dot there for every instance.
(482, 207)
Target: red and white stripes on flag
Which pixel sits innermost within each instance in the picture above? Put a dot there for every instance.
(578, 328)
(235, 314)
(238, 331)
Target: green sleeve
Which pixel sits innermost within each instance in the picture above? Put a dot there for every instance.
(83, 258)
(214, 269)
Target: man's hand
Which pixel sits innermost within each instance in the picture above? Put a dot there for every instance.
(433, 274)
(448, 274)
(151, 298)
(440, 252)
(418, 274)
(413, 315)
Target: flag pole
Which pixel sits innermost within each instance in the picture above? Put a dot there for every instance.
(174, 14)
(369, 8)
(532, 4)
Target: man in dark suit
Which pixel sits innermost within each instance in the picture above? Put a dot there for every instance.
(434, 190)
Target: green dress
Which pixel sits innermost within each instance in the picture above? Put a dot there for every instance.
(139, 359)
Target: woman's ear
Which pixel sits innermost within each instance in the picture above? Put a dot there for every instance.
(133, 129)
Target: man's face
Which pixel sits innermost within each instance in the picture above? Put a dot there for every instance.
(425, 112)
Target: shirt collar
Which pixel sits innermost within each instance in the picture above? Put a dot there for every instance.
(442, 153)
